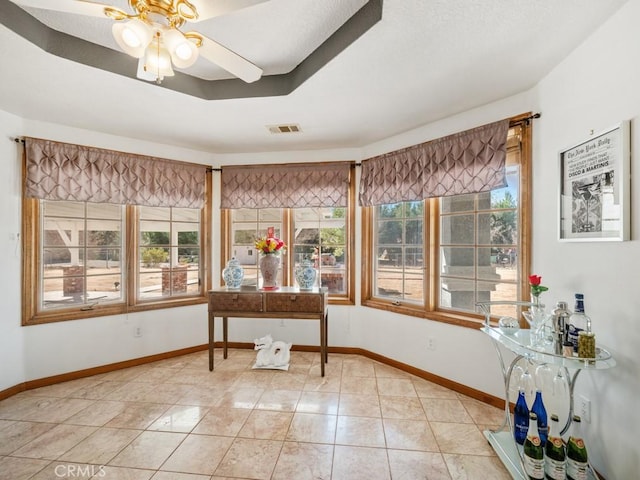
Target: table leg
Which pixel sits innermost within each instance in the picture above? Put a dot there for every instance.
(224, 334)
(211, 322)
(326, 337)
(323, 344)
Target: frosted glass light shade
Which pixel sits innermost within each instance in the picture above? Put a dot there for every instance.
(184, 53)
(156, 63)
(133, 36)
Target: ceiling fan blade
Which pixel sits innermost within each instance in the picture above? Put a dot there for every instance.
(79, 7)
(208, 9)
(230, 61)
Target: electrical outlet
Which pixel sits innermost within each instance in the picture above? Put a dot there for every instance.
(584, 409)
(137, 332)
(431, 343)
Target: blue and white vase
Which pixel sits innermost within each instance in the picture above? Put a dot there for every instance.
(233, 274)
(306, 275)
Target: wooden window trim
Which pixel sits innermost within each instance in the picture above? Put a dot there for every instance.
(431, 235)
(31, 243)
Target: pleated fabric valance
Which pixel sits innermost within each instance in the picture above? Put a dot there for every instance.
(467, 162)
(63, 171)
(286, 186)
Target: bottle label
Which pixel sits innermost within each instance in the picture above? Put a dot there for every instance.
(573, 336)
(534, 467)
(555, 469)
(577, 470)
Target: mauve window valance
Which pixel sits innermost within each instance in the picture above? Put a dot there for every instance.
(467, 162)
(63, 171)
(286, 186)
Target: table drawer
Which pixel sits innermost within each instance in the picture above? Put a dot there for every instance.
(294, 302)
(235, 302)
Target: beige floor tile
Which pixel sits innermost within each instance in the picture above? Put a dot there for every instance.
(149, 450)
(98, 390)
(481, 413)
(137, 415)
(304, 461)
(179, 418)
(428, 389)
(266, 425)
(359, 405)
(203, 395)
(123, 473)
(242, 397)
(360, 463)
(280, 400)
(198, 454)
(223, 421)
(12, 468)
(331, 369)
(461, 438)
(406, 464)
(360, 431)
(445, 410)
(158, 374)
(54, 442)
(20, 433)
(288, 381)
(383, 370)
(328, 383)
(359, 385)
(318, 402)
(97, 414)
(254, 379)
(5, 424)
(396, 387)
(409, 435)
(249, 458)
(470, 467)
(407, 408)
(358, 368)
(64, 389)
(178, 476)
(313, 428)
(101, 446)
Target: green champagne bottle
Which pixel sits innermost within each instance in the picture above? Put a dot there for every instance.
(533, 451)
(555, 467)
(577, 463)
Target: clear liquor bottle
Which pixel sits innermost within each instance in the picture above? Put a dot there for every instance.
(533, 451)
(555, 455)
(578, 321)
(577, 459)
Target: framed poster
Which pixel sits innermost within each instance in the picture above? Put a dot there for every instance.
(594, 188)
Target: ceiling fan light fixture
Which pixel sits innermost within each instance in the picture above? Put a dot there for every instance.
(133, 36)
(184, 52)
(156, 63)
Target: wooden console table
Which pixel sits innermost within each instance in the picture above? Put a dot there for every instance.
(286, 302)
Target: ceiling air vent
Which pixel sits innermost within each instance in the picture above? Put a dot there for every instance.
(291, 128)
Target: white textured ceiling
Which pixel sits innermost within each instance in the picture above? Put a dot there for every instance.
(425, 60)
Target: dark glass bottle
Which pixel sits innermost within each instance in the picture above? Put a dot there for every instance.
(520, 418)
(555, 461)
(541, 413)
(577, 460)
(533, 451)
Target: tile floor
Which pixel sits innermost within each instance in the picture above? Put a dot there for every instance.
(175, 420)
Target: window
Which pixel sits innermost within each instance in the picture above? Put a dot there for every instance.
(436, 258)
(318, 234)
(85, 259)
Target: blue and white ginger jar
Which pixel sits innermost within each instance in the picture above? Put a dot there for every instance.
(306, 275)
(233, 274)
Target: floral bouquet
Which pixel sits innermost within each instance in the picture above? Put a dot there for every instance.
(270, 245)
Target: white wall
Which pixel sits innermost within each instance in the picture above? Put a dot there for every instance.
(594, 88)
(12, 370)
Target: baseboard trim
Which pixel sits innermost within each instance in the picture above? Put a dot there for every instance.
(87, 372)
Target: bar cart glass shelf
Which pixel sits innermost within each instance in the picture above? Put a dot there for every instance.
(501, 439)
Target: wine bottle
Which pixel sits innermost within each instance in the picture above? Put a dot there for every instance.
(533, 460)
(520, 418)
(555, 460)
(577, 460)
(541, 414)
(578, 321)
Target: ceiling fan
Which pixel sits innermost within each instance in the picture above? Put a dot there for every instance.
(152, 33)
